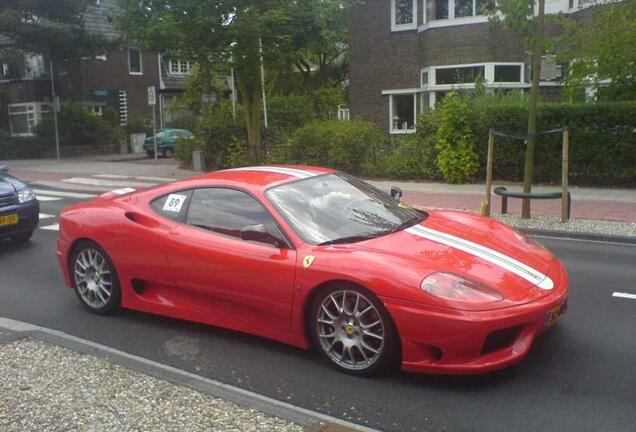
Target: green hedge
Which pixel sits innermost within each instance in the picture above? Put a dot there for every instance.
(602, 142)
(23, 147)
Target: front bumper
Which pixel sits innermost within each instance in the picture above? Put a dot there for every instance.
(28, 216)
(445, 341)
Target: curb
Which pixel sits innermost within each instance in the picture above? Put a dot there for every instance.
(570, 235)
(11, 330)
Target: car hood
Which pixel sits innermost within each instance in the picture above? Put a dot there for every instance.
(475, 247)
(6, 185)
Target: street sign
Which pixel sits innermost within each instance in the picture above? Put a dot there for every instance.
(152, 96)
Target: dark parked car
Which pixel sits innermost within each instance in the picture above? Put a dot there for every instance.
(19, 208)
(166, 141)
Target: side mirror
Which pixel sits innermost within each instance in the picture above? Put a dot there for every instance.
(396, 193)
(259, 233)
(4, 170)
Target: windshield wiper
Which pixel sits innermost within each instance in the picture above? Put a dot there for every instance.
(349, 239)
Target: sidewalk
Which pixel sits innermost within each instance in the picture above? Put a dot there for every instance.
(587, 203)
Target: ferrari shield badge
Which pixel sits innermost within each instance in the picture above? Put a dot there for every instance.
(308, 261)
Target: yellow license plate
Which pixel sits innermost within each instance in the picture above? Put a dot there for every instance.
(553, 315)
(10, 219)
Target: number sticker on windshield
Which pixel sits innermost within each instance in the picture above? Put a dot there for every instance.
(174, 203)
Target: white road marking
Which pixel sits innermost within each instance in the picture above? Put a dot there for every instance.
(54, 227)
(624, 295)
(64, 194)
(47, 198)
(46, 216)
(123, 177)
(107, 183)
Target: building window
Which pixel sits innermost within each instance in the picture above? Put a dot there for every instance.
(4, 71)
(24, 117)
(403, 15)
(402, 111)
(97, 110)
(33, 66)
(508, 73)
(343, 113)
(440, 10)
(459, 75)
(179, 67)
(135, 66)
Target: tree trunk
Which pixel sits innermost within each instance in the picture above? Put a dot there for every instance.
(204, 70)
(250, 88)
(537, 52)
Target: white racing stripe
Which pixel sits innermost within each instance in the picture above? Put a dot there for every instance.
(624, 295)
(508, 263)
(279, 170)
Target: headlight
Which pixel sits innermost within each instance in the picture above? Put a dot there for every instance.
(25, 195)
(450, 286)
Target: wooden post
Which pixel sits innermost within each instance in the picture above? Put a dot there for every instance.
(485, 207)
(564, 175)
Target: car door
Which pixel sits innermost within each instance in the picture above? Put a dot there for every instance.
(233, 279)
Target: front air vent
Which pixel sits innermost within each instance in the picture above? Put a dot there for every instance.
(8, 200)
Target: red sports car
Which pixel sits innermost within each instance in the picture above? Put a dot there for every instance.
(313, 256)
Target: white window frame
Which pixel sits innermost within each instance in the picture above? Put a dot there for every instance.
(402, 92)
(5, 70)
(174, 67)
(402, 27)
(141, 62)
(31, 60)
(489, 70)
(451, 20)
(36, 110)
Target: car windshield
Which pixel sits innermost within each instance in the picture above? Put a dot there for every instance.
(338, 208)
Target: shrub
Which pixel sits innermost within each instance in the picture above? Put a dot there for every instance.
(184, 149)
(457, 159)
(217, 130)
(342, 145)
(78, 127)
(24, 147)
(602, 142)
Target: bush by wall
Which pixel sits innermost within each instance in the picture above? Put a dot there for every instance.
(602, 142)
(347, 146)
(24, 147)
(79, 127)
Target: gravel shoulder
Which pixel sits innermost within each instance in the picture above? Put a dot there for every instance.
(582, 226)
(44, 387)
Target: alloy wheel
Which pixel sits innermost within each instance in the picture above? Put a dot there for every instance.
(93, 278)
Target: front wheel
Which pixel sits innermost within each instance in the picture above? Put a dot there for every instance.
(353, 330)
(95, 279)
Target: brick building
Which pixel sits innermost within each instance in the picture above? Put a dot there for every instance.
(118, 79)
(407, 54)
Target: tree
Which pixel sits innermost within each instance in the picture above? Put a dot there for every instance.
(239, 34)
(51, 27)
(521, 17)
(602, 53)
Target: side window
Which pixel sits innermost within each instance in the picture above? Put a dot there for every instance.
(228, 211)
(173, 205)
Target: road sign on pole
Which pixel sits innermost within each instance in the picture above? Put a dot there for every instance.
(152, 101)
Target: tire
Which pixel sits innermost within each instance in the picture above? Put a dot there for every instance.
(359, 338)
(22, 237)
(168, 153)
(93, 289)
(149, 153)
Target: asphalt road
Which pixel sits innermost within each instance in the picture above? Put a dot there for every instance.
(581, 375)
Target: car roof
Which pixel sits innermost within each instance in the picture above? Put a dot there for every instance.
(262, 177)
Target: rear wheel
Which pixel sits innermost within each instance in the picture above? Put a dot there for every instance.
(168, 153)
(150, 153)
(95, 279)
(353, 330)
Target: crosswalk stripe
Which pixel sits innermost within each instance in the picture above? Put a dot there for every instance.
(46, 216)
(108, 183)
(64, 194)
(47, 198)
(54, 227)
(122, 177)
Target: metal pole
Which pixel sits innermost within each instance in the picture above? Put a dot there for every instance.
(154, 131)
(564, 175)
(485, 210)
(233, 94)
(260, 48)
(55, 108)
